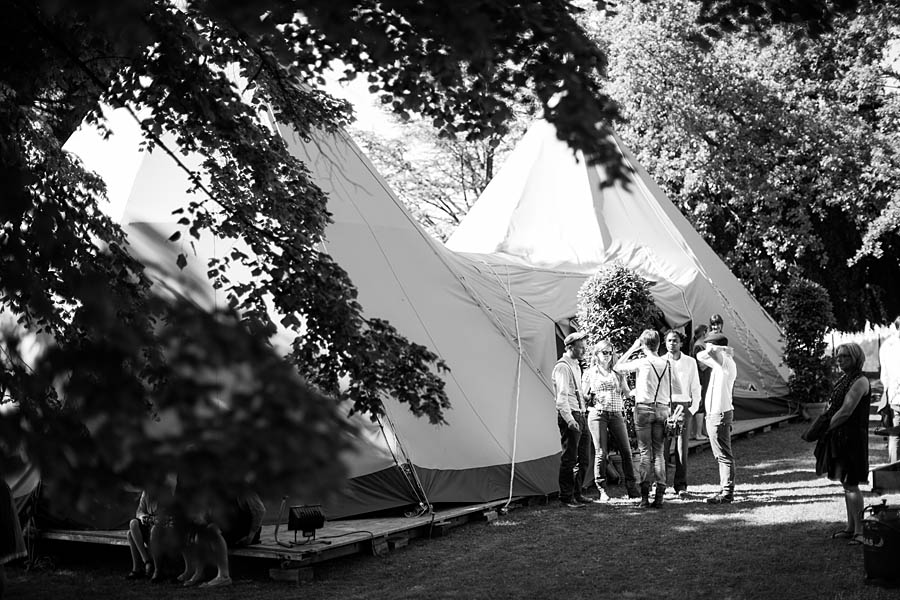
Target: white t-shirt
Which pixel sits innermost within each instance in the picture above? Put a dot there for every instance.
(689, 377)
(719, 397)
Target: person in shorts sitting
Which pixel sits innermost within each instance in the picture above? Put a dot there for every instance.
(229, 523)
(138, 537)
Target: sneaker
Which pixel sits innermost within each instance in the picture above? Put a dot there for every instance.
(720, 499)
(603, 496)
(570, 503)
(583, 500)
(683, 495)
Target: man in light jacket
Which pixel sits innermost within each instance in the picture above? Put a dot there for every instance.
(720, 410)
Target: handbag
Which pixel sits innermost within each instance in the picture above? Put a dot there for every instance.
(818, 428)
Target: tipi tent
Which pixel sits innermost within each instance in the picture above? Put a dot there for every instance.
(502, 418)
(548, 215)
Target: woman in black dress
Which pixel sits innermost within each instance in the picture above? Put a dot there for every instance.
(843, 452)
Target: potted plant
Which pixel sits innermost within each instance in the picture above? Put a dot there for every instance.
(806, 315)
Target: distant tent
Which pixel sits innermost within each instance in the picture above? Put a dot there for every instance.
(550, 216)
(502, 410)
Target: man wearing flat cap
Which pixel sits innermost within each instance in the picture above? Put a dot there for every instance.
(717, 355)
(571, 417)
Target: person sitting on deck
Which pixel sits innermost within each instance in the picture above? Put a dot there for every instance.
(139, 537)
(229, 523)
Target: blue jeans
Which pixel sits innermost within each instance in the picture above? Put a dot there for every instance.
(604, 424)
(573, 464)
(718, 427)
(650, 425)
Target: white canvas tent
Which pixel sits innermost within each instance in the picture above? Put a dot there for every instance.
(553, 220)
(499, 353)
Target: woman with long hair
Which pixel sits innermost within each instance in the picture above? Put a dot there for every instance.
(606, 391)
(842, 454)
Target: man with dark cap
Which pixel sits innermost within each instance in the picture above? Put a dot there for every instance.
(571, 418)
(717, 355)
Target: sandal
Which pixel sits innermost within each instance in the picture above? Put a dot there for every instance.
(843, 534)
(857, 540)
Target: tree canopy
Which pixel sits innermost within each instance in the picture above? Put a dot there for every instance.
(779, 147)
(117, 348)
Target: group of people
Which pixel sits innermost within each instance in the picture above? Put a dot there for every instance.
(669, 390)
(200, 528)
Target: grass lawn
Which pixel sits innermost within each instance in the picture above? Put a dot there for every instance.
(773, 542)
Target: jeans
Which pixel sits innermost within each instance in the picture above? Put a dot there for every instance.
(681, 452)
(573, 464)
(650, 425)
(604, 424)
(718, 427)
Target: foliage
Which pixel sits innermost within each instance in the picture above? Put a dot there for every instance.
(218, 392)
(438, 178)
(615, 303)
(460, 64)
(779, 148)
(814, 16)
(805, 318)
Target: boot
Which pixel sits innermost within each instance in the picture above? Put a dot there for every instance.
(645, 496)
(658, 498)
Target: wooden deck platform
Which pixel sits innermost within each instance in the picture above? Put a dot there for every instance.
(335, 539)
(746, 428)
(371, 536)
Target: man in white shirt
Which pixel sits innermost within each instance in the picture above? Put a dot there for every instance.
(571, 417)
(720, 410)
(655, 386)
(889, 407)
(684, 405)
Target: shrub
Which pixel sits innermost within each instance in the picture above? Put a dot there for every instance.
(615, 303)
(806, 315)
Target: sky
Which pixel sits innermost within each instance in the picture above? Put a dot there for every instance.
(118, 158)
